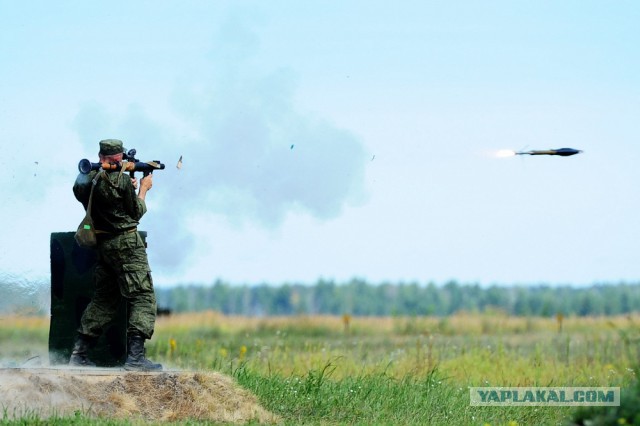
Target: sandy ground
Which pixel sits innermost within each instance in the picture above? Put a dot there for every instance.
(114, 393)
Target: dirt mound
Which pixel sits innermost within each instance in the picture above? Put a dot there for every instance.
(166, 396)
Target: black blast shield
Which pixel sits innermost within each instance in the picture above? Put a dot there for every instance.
(72, 269)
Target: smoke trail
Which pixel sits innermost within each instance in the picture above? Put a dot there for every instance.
(248, 153)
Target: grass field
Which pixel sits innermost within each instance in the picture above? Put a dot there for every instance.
(417, 370)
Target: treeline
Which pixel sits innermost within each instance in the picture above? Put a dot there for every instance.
(357, 297)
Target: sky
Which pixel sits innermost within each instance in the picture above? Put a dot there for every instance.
(331, 139)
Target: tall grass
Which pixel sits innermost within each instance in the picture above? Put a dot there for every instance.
(510, 351)
(413, 370)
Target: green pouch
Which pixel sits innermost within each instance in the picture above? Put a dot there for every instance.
(86, 233)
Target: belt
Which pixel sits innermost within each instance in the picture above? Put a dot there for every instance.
(106, 233)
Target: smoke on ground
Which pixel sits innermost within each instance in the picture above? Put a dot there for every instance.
(23, 295)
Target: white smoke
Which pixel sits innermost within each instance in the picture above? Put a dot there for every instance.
(248, 153)
(24, 294)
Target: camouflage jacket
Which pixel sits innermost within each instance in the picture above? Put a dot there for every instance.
(116, 207)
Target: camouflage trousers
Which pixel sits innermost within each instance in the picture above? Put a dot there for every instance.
(122, 274)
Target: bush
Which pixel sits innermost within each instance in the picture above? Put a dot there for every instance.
(628, 413)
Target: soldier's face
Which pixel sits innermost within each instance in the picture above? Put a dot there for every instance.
(116, 158)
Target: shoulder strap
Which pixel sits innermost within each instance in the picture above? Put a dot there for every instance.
(93, 185)
(113, 185)
(124, 166)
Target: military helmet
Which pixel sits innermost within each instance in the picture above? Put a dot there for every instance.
(111, 147)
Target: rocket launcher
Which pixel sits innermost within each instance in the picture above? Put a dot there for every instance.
(130, 163)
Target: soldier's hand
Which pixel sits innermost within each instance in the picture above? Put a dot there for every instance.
(134, 182)
(147, 182)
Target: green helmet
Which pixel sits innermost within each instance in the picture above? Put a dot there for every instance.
(111, 147)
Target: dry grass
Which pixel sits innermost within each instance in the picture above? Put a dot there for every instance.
(24, 321)
(458, 324)
(168, 396)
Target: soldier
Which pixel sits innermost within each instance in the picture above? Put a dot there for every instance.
(122, 269)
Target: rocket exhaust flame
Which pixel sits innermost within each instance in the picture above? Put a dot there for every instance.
(503, 153)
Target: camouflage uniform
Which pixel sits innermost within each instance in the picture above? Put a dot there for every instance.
(122, 269)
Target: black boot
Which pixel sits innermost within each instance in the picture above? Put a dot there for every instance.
(136, 360)
(80, 353)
